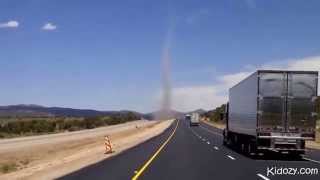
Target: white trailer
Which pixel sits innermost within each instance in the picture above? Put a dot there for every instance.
(195, 119)
(272, 110)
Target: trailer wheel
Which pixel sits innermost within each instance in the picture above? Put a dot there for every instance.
(227, 141)
(224, 142)
(249, 149)
(245, 148)
(295, 154)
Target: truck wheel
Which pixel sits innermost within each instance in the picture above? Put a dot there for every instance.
(225, 141)
(295, 155)
(243, 148)
(251, 149)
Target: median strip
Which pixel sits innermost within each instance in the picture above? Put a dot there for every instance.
(145, 166)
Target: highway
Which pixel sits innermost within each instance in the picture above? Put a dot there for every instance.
(184, 152)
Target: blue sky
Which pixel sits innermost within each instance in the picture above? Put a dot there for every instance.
(106, 55)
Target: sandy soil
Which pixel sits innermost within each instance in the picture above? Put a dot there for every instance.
(314, 144)
(51, 156)
(217, 125)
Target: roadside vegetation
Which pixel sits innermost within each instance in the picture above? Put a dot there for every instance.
(215, 115)
(9, 167)
(13, 127)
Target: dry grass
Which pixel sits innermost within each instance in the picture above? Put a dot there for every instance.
(41, 159)
(8, 167)
(314, 144)
(215, 124)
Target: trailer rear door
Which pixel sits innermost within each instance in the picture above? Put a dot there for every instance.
(302, 92)
(272, 101)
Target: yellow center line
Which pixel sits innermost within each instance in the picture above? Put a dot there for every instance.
(144, 167)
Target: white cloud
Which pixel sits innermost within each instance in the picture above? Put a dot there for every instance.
(310, 63)
(210, 96)
(49, 27)
(191, 98)
(230, 80)
(9, 24)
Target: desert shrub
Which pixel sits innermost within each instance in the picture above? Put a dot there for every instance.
(8, 167)
(29, 126)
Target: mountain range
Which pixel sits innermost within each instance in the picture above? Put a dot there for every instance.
(32, 110)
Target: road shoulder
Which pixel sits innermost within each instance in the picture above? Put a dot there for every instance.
(89, 153)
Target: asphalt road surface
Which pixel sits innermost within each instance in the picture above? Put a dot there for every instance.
(184, 152)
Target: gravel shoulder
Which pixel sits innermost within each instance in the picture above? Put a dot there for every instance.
(52, 156)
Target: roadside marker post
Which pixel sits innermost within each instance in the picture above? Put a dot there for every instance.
(107, 144)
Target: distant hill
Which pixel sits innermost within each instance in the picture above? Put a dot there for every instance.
(200, 111)
(32, 110)
(23, 110)
(172, 113)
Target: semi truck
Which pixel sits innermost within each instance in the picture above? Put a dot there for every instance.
(194, 119)
(272, 111)
(187, 117)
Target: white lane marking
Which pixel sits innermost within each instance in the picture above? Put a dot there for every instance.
(311, 160)
(210, 131)
(231, 157)
(263, 177)
(196, 134)
(216, 148)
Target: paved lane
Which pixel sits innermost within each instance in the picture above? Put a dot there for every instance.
(191, 153)
(125, 164)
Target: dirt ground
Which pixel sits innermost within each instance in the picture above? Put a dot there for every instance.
(314, 144)
(57, 155)
(217, 125)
